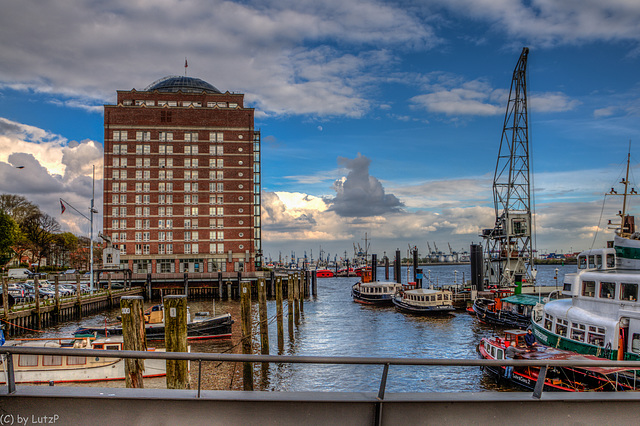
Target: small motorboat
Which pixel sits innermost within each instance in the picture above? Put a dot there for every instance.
(566, 379)
(324, 273)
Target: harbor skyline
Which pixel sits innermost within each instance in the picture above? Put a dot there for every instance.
(376, 118)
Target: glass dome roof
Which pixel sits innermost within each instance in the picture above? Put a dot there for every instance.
(174, 83)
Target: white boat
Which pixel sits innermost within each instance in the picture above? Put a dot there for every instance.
(378, 293)
(601, 314)
(424, 301)
(63, 368)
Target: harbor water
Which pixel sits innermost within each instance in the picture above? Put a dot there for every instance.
(331, 324)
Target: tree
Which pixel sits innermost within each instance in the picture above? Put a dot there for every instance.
(39, 231)
(9, 234)
(18, 207)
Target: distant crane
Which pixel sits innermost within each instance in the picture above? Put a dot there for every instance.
(508, 246)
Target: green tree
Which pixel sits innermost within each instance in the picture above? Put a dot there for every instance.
(9, 234)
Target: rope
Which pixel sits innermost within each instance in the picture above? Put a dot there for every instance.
(24, 328)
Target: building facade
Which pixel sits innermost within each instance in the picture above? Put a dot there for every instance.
(182, 179)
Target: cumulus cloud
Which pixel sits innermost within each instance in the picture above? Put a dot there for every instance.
(360, 194)
(52, 168)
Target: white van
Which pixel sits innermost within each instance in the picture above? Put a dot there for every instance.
(19, 273)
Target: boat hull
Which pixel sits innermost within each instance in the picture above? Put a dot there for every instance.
(211, 328)
(421, 310)
(501, 318)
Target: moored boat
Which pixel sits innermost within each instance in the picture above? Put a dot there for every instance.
(32, 368)
(324, 273)
(565, 379)
(510, 311)
(601, 314)
(378, 293)
(201, 328)
(422, 301)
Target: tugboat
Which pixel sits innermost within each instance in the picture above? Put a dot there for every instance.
(506, 310)
(422, 301)
(566, 379)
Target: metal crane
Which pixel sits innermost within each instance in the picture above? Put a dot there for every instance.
(508, 246)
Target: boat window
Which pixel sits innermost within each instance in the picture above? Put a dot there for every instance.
(439, 296)
(76, 360)
(28, 360)
(596, 339)
(113, 347)
(611, 260)
(548, 323)
(598, 261)
(51, 360)
(561, 329)
(578, 326)
(577, 335)
(635, 343)
(582, 262)
(493, 351)
(628, 291)
(500, 354)
(588, 288)
(566, 287)
(607, 290)
(592, 261)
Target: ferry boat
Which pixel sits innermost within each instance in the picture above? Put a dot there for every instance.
(565, 379)
(506, 310)
(201, 328)
(30, 368)
(378, 293)
(601, 314)
(423, 301)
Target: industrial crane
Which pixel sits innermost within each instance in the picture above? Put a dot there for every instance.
(508, 250)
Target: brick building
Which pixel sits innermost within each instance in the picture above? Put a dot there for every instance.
(182, 178)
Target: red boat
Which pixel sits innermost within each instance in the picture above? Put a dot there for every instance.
(324, 273)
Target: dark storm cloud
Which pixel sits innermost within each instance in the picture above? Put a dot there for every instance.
(360, 194)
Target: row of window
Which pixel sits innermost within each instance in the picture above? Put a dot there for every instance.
(168, 187)
(151, 102)
(143, 136)
(188, 248)
(427, 298)
(591, 334)
(378, 289)
(610, 290)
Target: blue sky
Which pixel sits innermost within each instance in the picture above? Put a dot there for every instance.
(381, 118)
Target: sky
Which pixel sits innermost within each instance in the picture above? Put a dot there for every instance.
(380, 121)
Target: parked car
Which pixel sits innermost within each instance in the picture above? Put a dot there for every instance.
(18, 273)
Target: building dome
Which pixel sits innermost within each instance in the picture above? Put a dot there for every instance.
(174, 83)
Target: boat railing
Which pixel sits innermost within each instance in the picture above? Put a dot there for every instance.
(7, 353)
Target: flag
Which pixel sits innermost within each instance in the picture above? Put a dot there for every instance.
(62, 207)
(185, 63)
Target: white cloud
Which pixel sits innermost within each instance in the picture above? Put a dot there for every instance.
(53, 168)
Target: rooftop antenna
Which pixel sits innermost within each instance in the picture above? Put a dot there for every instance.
(185, 66)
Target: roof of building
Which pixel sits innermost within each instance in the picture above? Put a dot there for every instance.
(174, 83)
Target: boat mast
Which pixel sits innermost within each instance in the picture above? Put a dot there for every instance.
(509, 248)
(626, 226)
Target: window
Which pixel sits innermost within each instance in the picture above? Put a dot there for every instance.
(143, 136)
(635, 343)
(76, 360)
(28, 360)
(588, 288)
(215, 136)
(607, 290)
(165, 116)
(628, 291)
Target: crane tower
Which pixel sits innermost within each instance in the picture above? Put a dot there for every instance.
(508, 246)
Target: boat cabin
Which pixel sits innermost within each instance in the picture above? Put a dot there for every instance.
(496, 346)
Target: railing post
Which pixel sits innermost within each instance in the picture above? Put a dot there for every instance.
(383, 385)
(537, 391)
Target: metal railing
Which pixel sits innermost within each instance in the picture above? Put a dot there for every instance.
(386, 362)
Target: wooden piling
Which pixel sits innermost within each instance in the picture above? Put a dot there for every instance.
(175, 340)
(5, 298)
(290, 304)
(264, 325)
(245, 315)
(134, 338)
(279, 318)
(303, 289)
(56, 309)
(78, 298)
(36, 285)
(296, 297)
